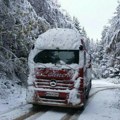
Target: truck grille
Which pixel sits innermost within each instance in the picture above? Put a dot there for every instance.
(59, 84)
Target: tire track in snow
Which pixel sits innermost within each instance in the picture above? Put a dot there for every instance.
(102, 89)
(16, 113)
(73, 115)
(52, 115)
(35, 116)
(26, 115)
(34, 113)
(5, 112)
(28, 112)
(70, 114)
(76, 115)
(56, 113)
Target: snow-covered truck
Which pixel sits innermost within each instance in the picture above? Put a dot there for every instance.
(60, 69)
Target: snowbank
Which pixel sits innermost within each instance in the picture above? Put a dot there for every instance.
(11, 95)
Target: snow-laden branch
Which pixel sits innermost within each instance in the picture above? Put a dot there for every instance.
(8, 51)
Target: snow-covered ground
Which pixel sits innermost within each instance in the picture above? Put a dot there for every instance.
(12, 95)
(103, 104)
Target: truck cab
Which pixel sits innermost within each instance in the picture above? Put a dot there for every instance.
(60, 70)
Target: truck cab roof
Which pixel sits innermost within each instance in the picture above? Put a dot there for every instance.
(59, 39)
(54, 39)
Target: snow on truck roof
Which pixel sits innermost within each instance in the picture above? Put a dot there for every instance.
(59, 38)
(53, 39)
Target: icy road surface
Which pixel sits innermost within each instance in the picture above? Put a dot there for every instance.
(103, 104)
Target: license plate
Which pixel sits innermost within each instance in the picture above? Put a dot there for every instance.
(52, 94)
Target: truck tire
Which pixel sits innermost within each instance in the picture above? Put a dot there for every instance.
(88, 90)
(84, 103)
(82, 108)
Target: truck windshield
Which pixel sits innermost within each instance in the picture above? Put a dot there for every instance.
(56, 56)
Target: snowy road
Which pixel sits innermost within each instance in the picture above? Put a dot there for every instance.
(103, 104)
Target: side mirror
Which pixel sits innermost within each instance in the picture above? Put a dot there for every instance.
(81, 48)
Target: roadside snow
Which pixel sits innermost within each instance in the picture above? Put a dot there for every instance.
(11, 95)
(113, 80)
(104, 104)
(14, 114)
(103, 83)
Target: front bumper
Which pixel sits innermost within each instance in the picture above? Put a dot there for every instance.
(60, 99)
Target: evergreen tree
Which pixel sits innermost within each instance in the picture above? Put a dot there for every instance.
(51, 11)
(111, 46)
(77, 24)
(83, 32)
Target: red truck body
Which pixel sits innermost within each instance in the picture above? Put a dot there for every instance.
(60, 77)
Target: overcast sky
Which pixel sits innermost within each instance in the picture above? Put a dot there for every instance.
(92, 14)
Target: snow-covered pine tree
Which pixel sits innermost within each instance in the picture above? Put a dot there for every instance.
(77, 24)
(19, 27)
(52, 12)
(111, 43)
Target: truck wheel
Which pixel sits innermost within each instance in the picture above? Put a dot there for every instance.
(90, 84)
(87, 93)
(89, 87)
(87, 96)
(35, 105)
(84, 103)
(82, 108)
